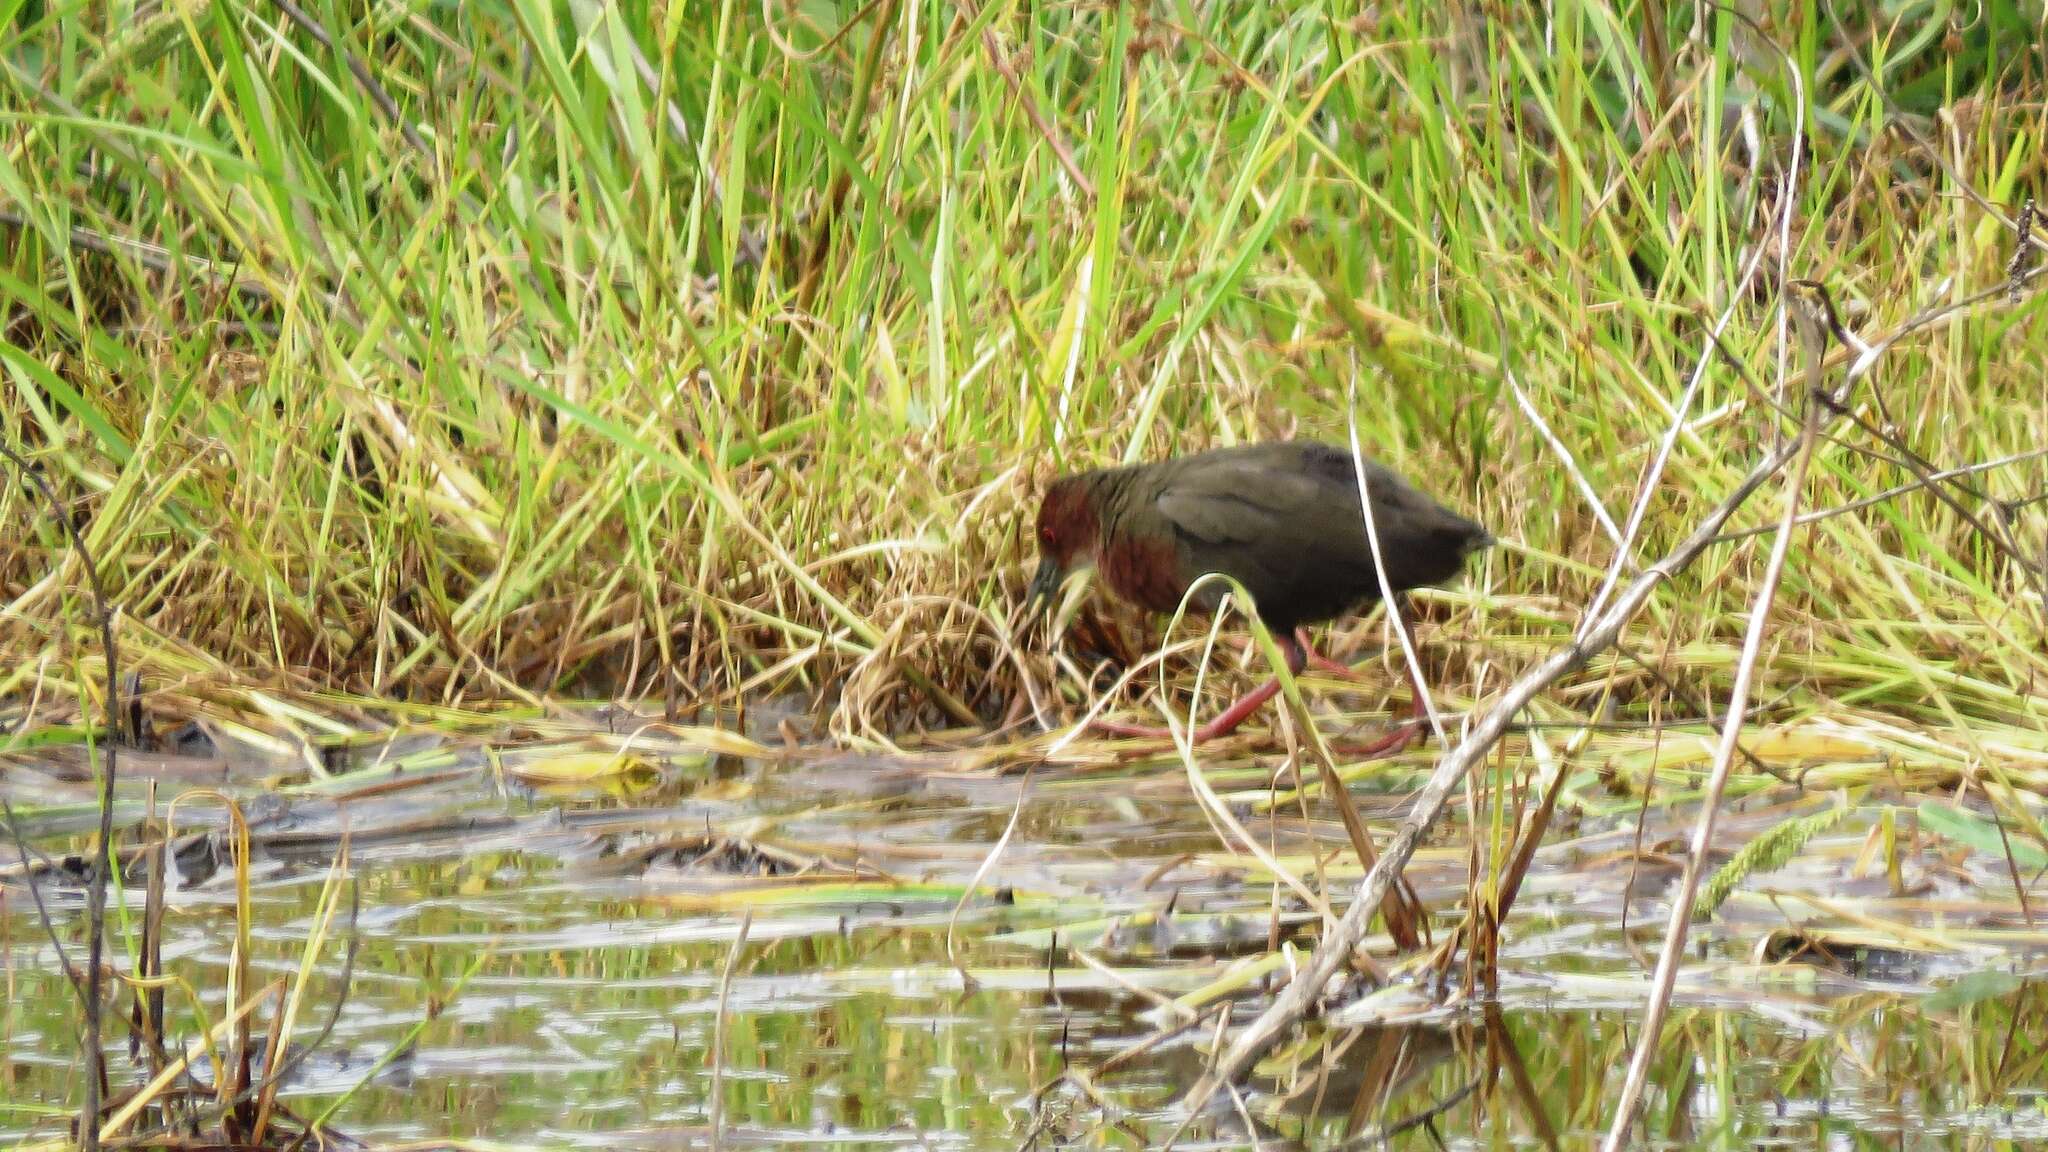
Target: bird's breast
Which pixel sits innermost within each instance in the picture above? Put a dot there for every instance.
(1144, 570)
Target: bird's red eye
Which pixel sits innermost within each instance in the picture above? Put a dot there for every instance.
(1045, 536)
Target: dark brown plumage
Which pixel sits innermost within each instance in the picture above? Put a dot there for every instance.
(1283, 519)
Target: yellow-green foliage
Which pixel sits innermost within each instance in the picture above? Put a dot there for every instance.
(1771, 850)
(667, 350)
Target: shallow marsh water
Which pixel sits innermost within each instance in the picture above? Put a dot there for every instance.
(551, 927)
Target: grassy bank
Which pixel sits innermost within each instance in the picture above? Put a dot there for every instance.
(483, 352)
(443, 362)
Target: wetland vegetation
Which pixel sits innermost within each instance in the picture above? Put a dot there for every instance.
(517, 521)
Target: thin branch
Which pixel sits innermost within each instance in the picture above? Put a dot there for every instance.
(1921, 468)
(1008, 70)
(732, 960)
(102, 848)
(1901, 121)
(29, 872)
(356, 68)
(1639, 509)
(1333, 951)
(1895, 491)
(1704, 708)
(1383, 1137)
(1550, 438)
(1787, 198)
(1379, 564)
(154, 257)
(1923, 471)
(1680, 921)
(1862, 354)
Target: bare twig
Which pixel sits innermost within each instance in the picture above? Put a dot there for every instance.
(102, 847)
(1379, 565)
(732, 961)
(1008, 70)
(1898, 120)
(1902, 454)
(1892, 493)
(28, 873)
(1866, 353)
(1680, 921)
(371, 87)
(988, 862)
(1550, 438)
(1300, 994)
(154, 257)
(1564, 456)
(1702, 708)
(1641, 506)
(1922, 469)
(1383, 1137)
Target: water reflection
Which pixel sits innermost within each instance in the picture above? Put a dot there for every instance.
(559, 952)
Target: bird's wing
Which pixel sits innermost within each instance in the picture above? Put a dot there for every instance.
(1276, 531)
(1240, 503)
(1289, 528)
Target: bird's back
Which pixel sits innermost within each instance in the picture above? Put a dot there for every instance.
(1284, 520)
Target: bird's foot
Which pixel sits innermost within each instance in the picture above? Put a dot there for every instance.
(1310, 658)
(1202, 735)
(1398, 737)
(1224, 724)
(1130, 731)
(1393, 741)
(1320, 662)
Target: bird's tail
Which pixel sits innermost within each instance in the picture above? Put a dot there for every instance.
(1475, 538)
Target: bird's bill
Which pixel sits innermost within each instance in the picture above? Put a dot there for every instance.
(1044, 585)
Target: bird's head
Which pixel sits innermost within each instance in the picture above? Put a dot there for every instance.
(1067, 533)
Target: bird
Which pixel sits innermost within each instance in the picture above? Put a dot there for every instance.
(1282, 518)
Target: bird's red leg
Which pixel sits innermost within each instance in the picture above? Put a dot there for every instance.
(1318, 660)
(1399, 736)
(1231, 717)
(1387, 743)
